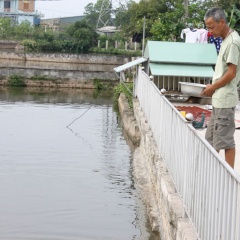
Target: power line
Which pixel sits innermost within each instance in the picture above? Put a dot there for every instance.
(54, 10)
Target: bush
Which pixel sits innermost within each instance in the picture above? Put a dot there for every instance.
(29, 44)
(16, 81)
(127, 89)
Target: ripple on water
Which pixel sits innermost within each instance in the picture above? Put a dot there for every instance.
(66, 183)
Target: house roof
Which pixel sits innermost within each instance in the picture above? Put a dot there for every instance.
(177, 59)
(181, 53)
(108, 29)
(181, 70)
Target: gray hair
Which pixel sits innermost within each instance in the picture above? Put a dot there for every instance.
(216, 13)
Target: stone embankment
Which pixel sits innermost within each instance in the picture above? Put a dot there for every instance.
(65, 58)
(164, 205)
(6, 44)
(60, 70)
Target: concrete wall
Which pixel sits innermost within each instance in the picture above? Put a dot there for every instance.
(8, 44)
(70, 70)
(164, 205)
(58, 74)
(67, 58)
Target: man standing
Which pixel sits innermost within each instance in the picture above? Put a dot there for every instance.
(223, 90)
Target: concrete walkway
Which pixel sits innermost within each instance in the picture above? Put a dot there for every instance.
(236, 135)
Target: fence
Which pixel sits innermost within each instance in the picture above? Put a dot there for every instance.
(208, 186)
(119, 45)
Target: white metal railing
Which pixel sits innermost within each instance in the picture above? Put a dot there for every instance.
(209, 187)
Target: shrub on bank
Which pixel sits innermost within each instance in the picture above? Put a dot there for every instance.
(115, 51)
(16, 81)
(127, 89)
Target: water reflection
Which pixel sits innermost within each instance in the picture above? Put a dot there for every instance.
(60, 182)
(55, 96)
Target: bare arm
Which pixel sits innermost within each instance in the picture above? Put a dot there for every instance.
(224, 80)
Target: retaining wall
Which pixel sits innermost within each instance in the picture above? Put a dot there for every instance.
(164, 205)
(67, 70)
(67, 58)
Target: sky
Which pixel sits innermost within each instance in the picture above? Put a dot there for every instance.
(62, 8)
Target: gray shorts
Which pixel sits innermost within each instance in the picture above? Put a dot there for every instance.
(221, 128)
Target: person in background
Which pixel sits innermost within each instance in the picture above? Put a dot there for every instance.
(223, 90)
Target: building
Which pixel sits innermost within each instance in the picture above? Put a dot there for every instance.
(171, 63)
(107, 30)
(57, 24)
(19, 11)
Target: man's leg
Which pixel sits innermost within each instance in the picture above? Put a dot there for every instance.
(230, 156)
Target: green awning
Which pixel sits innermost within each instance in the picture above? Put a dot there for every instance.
(158, 69)
(181, 53)
(130, 64)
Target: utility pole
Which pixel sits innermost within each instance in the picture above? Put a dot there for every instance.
(143, 42)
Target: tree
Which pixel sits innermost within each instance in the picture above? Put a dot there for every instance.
(92, 11)
(197, 10)
(83, 35)
(24, 30)
(122, 15)
(234, 18)
(227, 5)
(148, 9)
(6, 28)
(92, 15)
(169, 25)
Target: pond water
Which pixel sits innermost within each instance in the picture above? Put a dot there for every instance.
(66, 169)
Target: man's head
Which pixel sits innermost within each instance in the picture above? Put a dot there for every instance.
(216, 22)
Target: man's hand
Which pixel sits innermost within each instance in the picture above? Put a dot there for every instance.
(224, 80)
(209, 90)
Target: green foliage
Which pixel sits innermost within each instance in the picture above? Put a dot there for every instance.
(234, 18)
(83, 36)
(102, 85)
(127, 89)
(97, 84)
(196, 12)
(92, 12)
(134, 16)
(78, 37)
(6, 28)
(16, 81)
(118, 36)
(24, 30)
(228, 5)
(116, 51)
(29, 44)
(169, 24)
(164, 21)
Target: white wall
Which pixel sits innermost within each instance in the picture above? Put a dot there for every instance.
(25, 18)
